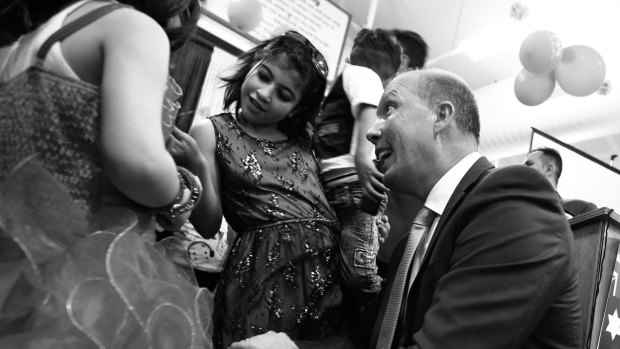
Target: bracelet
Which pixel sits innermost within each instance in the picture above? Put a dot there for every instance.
(187, 181)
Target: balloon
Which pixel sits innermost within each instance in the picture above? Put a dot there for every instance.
(581, 70)
(540, 52)
(533, 89)
(245, 15)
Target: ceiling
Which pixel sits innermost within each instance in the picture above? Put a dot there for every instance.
(591, 123)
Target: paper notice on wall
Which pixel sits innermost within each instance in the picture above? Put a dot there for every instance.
(322, 22)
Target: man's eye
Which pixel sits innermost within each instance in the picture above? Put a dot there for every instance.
(389, 108)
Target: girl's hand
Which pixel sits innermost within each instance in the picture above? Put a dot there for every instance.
(383, 226)
(185, 151)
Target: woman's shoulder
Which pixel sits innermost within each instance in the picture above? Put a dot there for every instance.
(130, 22)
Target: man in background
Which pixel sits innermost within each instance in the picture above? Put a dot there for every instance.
(548, 161)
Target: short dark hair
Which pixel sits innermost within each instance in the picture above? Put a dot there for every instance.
(413, 46)
(290, 53)
(437, 85)
(553, 156)
(376, 49)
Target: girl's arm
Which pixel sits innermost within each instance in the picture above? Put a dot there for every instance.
(207, 216)
(135, 53)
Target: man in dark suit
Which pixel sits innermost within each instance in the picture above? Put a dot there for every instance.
(495, 269)
(548, 162)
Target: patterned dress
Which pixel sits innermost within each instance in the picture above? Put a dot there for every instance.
(282, 273)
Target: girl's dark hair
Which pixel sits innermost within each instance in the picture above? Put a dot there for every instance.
(290, 53)
(18, 17)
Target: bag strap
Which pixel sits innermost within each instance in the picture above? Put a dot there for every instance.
(74, 26)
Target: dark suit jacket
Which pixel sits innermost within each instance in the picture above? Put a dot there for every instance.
(498, 272)
(575, 207)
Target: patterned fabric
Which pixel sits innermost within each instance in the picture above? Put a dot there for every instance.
(73, 283)
(48, 113)
(58, 120)
(282, 273)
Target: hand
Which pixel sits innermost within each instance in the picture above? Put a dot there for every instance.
(166, 222)
(269, 340)
(185, 150)
(371, 180)
(384, 227)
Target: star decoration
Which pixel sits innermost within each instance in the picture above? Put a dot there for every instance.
(614, 325)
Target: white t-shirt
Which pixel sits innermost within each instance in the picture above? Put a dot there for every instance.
(362, 87)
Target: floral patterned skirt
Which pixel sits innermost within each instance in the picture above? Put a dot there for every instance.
(283, 277)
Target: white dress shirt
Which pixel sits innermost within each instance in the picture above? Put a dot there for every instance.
(440, 194)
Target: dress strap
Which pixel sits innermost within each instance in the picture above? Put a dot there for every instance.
(74, 26)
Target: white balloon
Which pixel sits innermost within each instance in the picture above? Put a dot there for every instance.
(533, 89)
(540, 52)
(245, 15)
(581, 70)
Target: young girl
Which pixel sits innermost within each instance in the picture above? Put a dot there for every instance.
(84, 172)
(283, 271)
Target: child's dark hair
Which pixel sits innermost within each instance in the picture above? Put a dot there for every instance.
(293, 54)
(413, 46)
(376, 49)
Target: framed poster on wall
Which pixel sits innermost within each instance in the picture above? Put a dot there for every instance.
(321, 21)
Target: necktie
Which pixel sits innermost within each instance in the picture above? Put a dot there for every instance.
(421, 224)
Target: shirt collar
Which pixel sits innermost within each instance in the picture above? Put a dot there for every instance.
(443, 189)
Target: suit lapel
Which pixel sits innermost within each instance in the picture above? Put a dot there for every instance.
(470, 178)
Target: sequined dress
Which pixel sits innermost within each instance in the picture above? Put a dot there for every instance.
(282, 273)
(75, 270)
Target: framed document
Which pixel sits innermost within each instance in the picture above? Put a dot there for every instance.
(321, 21)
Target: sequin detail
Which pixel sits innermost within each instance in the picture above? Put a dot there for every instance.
(269, 149)
(282, 271)
(252, 167)
(273, 209)
(299, 165)
(274, 303)
(224, 148)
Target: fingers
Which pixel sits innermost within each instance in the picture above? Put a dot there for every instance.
(383, 226)
(374, 188)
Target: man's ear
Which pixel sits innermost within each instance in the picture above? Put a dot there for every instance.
(445, 115)
(550, 170)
